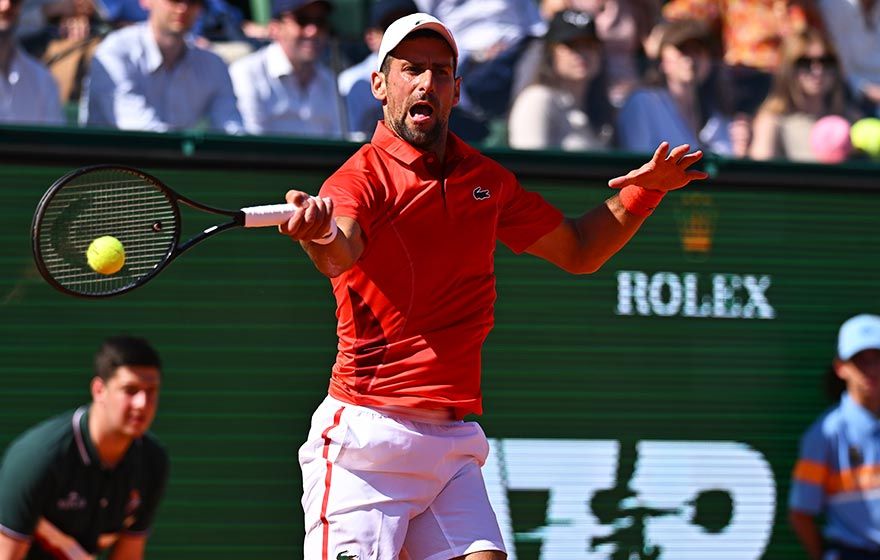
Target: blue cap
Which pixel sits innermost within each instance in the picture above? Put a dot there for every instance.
(861, 332)
(281, 7)
(384, 12)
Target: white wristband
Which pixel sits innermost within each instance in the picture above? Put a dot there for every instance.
(330, 236)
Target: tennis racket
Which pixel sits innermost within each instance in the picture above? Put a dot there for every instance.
(135, 208)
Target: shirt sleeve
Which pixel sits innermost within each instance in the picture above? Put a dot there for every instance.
(25, 484)
(52, 113)
(525, 217)
(811, 472)
(354, 197)
(223, 112)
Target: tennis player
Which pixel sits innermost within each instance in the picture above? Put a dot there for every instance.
(89, 480)
(390, 469)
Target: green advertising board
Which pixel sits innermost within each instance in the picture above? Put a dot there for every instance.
(649, 410)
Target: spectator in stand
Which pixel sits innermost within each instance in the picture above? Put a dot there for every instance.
(567, 107)
(151, 76)
(854, 26)
(28, 94)
(622, 26)
(64, 35)
(354, 83)
(807, 87)
(284, 88)
(751, 33)
(683, 101)
(492, 36)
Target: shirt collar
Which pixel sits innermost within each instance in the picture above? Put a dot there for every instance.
(277, 63)
(859, 420)
(85, 447)
(152, 54)
(386, 140)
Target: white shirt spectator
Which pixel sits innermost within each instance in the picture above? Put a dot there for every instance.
(130, 88)
(545, 118)
(272, 100)
(857, 40)
(28, 94)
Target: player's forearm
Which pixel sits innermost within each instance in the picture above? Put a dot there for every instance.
(603, 232)
(804, 526)
(583, 245)
(13, 549)
(339, 255)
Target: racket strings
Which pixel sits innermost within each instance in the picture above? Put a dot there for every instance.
(114, 202)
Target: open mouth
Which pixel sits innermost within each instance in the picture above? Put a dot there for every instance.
(421, 111)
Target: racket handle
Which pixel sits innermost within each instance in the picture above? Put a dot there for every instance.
(276, 214)
(268, 215)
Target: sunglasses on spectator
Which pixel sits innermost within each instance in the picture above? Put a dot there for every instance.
(807, 62)
(305, 20)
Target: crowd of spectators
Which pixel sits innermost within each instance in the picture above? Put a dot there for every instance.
(758, 79)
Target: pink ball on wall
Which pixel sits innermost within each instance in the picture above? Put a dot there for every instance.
(830, 139)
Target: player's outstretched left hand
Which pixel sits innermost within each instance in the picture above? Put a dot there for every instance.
(667, 170)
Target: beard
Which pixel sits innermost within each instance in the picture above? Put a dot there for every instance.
(418, 138)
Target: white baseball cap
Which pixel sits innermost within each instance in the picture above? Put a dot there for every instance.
(399, 30)
(861, 332)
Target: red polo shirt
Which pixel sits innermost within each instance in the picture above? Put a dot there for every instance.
(414, 311)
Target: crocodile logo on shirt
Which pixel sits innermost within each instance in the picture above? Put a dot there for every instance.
(344, 555)
(481, 194)
(73, 501)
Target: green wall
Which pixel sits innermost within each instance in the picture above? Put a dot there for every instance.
(245, 326)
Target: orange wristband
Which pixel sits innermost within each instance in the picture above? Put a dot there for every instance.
(640, 201)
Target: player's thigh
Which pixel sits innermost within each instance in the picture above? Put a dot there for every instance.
(459, 522)
(360, 489)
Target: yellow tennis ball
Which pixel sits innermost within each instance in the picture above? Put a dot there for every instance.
(866, 136)
(106, 255)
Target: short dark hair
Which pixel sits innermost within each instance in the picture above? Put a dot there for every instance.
(418, 34)
(124, 350)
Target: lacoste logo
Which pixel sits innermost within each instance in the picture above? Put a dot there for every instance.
(71, 502)
(481, 194)
(344, 555)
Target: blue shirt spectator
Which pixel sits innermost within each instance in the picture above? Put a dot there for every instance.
(134, 86)
(682, 103)
(28, 93)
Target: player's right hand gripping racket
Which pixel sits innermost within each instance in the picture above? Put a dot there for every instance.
(135, 208)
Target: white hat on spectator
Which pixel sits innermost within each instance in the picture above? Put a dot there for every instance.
(861, 332)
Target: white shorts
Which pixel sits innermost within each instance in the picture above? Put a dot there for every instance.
(382, 487)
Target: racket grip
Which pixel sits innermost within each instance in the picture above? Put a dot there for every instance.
(268, 215)
(276, 214)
